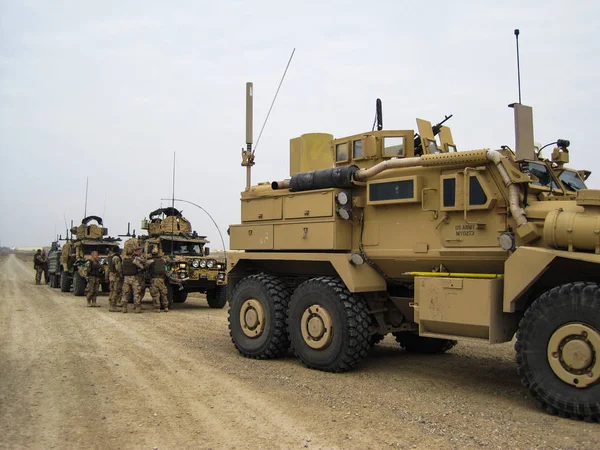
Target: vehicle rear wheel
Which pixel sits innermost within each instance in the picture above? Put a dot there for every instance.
(257, 317)
(413, 343)
(65, 282)
(78, 285)
(558, 351)
(217, 298)
(328, 325)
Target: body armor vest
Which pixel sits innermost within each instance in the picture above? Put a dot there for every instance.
(111, 264)
(129, 268)
(158, 268)
(95, 268)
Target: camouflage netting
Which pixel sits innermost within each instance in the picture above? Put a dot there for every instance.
(170, 224)
(130, 244)
(90, 231)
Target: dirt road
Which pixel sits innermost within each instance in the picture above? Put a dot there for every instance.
(78, 377)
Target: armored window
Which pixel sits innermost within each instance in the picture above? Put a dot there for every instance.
(449, 192)
(393, 190)
(541, 172)
(393, 146)
(357, 149)
(476, 193)
(432, 147)
(572, 181)
(341, 152)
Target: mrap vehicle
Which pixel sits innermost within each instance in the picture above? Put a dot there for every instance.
(392, 231)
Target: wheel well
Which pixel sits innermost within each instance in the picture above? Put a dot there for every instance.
(560, 271)
(291, 272)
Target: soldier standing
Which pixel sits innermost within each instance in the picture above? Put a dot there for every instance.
(133, 271)
(158, 290)
(45, 266)
(38, 265)
(93, 272)
(115, 276)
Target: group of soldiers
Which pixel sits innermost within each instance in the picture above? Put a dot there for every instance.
(126, 277)
(40, 264)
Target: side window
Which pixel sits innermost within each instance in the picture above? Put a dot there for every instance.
(393, 146)
(392, 190)
(357, 151)
(449, 186)
(341, 152)
(477, 195)
(540, 171)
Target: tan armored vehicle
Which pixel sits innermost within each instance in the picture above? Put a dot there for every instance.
(192, 270)
(89, 237)
(395, 232)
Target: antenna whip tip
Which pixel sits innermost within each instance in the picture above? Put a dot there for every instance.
(517, 31)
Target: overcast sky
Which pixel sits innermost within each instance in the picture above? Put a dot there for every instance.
(109, 90)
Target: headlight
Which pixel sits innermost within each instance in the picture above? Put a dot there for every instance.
(221, 276)
(182, 265)
(220, 266)
(210, 264)
(195, 264)
(203, 263)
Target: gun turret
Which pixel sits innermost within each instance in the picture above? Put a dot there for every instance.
(436, 130)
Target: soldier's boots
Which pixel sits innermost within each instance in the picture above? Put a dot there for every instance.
(94, 304)
(114, 309)
(89, 304)
(124, 308)
(166, 309)
(157, 310)
(137, 309)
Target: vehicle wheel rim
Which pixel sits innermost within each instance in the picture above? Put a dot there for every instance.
(317, 327)
(252, 318)
(573, 352)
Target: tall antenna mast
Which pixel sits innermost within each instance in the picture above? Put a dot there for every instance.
(518, 64)
(248, 152)
(87, 179)
(173, 205)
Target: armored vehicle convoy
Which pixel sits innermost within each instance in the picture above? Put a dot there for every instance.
(189, 266)
(390, 231)
(54, 265)
(89, 237)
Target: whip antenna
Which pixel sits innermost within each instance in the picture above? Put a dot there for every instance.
(274, 98)
(87, 179)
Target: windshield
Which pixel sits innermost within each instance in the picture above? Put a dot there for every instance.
(541, 172)
(572, 180)
(182, 248)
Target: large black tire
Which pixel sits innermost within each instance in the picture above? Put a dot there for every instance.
(217, 298)
(105, 286)
(78, 284)
(270, 339)
(413, 343)
(174, 295)
(55, 283)
(65, 282)
(345, 342)
(573, 304)
(51, 280)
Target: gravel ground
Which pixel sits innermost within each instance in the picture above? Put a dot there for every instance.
(78, 377)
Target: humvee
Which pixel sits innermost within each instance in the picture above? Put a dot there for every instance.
(89, 237)
(392, 231)
(192, 270)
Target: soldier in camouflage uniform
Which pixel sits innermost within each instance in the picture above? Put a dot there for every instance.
(158, 290)
(93, 272)
(45, 266)
(38, 265)
(133, 270)
(115, 276)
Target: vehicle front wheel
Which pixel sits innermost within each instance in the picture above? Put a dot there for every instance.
(65, 282)
(78, 285)
(257, 317)
(328, 325)
(558, 351)
(217, 298)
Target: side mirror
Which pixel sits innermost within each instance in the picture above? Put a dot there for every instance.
(206, 251)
